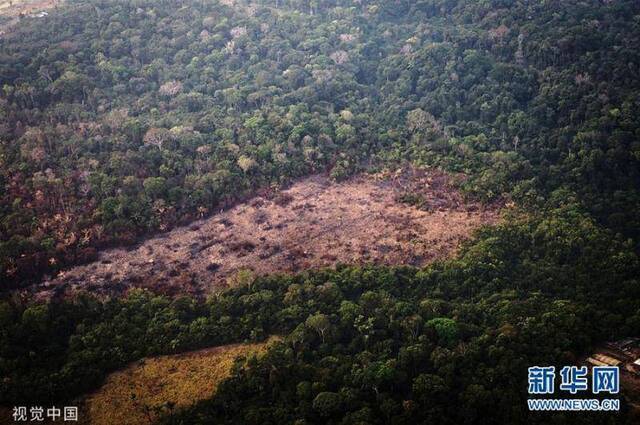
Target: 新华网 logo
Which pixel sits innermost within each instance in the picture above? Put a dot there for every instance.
(574, 380)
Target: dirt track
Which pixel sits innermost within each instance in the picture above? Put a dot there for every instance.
(314, 223)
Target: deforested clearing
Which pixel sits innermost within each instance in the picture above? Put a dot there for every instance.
(11, 11)
(407, 217)
(151, 387)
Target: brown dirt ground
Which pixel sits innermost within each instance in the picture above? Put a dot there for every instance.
(15, 8)
(315, 223)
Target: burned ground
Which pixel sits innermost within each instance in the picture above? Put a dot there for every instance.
(409, 217)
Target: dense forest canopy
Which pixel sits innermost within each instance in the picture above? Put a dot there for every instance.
(124, 117)
(448, 344)
(121, 118)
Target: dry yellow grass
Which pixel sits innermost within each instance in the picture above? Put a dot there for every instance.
(136, 394)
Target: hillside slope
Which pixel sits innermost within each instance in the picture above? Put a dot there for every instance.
(123, 118)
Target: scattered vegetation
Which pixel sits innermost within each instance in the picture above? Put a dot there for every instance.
(322, 224)
(122, 118)
(159, 385)
(450, 342)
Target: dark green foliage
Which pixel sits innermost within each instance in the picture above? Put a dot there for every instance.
(445, 328)
(327, 404)
(449, 343)
(118, 118)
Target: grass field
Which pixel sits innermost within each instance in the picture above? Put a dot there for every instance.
(137, 394)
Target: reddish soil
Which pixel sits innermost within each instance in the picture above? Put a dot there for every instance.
(315, 223)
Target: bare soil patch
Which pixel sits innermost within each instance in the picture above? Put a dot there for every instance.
(11, 11)
(410, 217)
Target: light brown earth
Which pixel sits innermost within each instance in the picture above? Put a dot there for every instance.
(12, 10)
(315, 223)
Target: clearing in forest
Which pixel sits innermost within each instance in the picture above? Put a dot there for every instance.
(156, 385)
(408, 217)
(11, 11)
